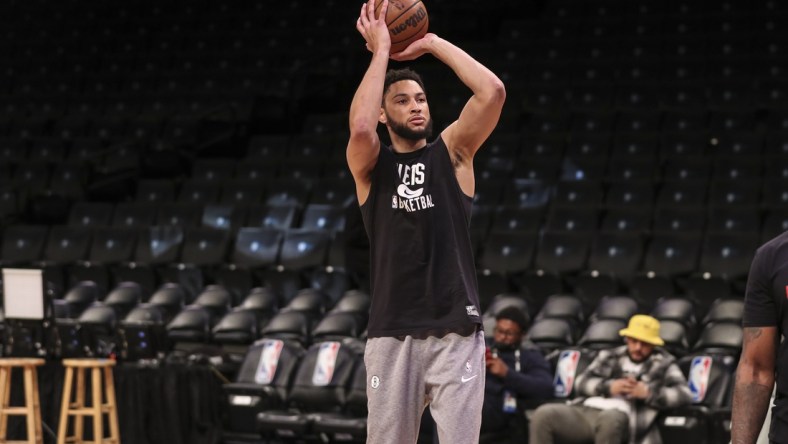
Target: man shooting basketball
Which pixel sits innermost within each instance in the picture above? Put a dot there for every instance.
(425, 343)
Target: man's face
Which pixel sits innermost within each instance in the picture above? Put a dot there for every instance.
(406, 112)
(638, 350)
(507, 333)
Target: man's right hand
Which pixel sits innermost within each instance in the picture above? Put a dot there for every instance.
(374, 30)
(622, 386)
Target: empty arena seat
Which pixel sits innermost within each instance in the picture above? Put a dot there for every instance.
(262, 383)
(142, 333)
(321, 384)
(707, 419)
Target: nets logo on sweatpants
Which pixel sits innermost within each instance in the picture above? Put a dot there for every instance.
(410, 192)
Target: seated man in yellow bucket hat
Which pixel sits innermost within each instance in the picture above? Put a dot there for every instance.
(619, 394)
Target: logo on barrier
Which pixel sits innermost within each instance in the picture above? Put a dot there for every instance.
(269, 360)
(326, 362)
(565, 371)
(700, 369)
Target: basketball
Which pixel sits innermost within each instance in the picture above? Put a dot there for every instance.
(407, 21)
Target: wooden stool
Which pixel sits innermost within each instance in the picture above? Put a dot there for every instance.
(32, 409)
(98, 407)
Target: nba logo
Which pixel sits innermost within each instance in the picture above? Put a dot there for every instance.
(269, 360)
(326, 361)
(565, 371)
(700, 369)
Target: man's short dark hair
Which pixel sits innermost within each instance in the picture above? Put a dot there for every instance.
(396, 75)
(515, 315)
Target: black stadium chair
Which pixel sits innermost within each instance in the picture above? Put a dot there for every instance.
(289, 326)
(552, 333)
(707, 419)
(602, 334)
(262, 383)
(142, 333)
(81, 296)
(567, 363)
(237, 327)
(321, 385)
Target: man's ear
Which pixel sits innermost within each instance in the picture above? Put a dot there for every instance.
(382, 116)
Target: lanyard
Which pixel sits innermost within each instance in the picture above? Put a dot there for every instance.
(517, 365)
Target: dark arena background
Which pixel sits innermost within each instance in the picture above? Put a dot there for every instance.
(177, 171)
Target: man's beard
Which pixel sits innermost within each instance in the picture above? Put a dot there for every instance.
(403, 131)
(505, 347)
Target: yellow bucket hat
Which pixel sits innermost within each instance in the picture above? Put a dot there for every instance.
(644, 328)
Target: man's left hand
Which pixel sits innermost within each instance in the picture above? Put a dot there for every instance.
(415, 49)
(497, 367)
(640, 391)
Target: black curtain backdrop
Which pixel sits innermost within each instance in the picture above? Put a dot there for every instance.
(170, 404)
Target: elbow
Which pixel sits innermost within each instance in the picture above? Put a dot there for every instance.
(362, 129)
(497, 91)
(757, 372)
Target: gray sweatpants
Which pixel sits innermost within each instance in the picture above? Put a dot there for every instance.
(404, 376)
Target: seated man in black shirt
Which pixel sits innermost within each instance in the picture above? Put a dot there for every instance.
(515, 373)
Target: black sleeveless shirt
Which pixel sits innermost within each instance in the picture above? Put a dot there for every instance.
(423, 277)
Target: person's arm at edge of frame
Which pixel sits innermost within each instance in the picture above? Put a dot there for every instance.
(754, 384)
(481, 113)
(363, 146)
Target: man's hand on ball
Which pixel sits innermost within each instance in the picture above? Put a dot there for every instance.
(374, 30)
(415, 49)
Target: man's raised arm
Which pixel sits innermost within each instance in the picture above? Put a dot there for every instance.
(364, 146)
(480, 115)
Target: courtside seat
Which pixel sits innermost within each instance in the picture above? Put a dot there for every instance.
(567, 363)
(619, 307)
(707, 419)
(262, 383)
(351, 424)
(720, 337)
(679, 309)
(170, 298)
(730, 309)
(216, 299)
(123, 298)
(81, 296)
(321, 385)
(289, 326)
(602, 334)
(338, 326)
(190, 328)
(552, 333)
(97, 332)
(676, 337)
(238, 327)
(142, 333)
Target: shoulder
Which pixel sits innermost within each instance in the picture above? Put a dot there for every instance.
(612, 353)
(662, 356)
(776, 245)
(529, 351)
